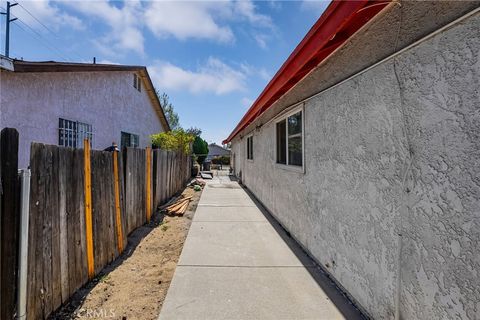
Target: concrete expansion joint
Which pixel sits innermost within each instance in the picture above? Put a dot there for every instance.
(249, 267)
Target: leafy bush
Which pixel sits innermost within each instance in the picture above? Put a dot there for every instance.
(173, 140)
(200, 148)
(225, 160)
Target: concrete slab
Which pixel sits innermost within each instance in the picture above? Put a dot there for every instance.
(239, 264)
(226, 201)
(213, 213)
(238, 244)
(246, 293)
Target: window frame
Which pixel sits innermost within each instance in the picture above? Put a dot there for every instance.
(247, 138)
(73, 132)
(284, 117)
(137, 82)
(136, 138)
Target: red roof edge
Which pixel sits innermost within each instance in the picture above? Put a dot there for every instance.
(336, 25)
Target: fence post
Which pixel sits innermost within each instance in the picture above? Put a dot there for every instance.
(118, 216)
(23, 254)
(88, 208)
(9, 221)
(148, 180)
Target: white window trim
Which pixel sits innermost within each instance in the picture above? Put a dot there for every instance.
(283, 117)
(246, 147)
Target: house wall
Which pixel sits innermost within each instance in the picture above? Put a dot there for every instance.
(383, 157)
(33, 103)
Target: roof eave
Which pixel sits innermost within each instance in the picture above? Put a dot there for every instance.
(339, 21)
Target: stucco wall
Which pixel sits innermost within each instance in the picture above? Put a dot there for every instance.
(384, 157)
(33, 103)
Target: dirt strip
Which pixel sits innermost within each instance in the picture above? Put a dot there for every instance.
(135, 285)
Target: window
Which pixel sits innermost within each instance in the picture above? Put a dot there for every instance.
(137, 82)
(289, 132)
(250, 148)
(129, 140)
(71, 133)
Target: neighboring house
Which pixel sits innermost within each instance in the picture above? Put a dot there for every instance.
(214, 151)
(366, 147)
(63, 103)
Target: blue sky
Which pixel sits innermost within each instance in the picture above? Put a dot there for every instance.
(213, 58)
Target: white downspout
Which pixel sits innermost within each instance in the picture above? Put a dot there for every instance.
(23, 252)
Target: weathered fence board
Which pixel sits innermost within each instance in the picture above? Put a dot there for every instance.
(135, 188)
(9, 220)
(57, 257)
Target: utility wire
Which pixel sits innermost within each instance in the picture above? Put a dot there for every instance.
(43, 42)
(47, 28)
(36, 19)
(61, 53)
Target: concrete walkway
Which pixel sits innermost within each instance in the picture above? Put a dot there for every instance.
(237, 263)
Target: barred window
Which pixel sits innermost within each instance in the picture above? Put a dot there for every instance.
(71, 133)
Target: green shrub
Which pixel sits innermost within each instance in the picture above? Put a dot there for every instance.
(225, 160)
(175, 140)
(200, 148)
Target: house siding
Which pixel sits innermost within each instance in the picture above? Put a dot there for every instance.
(367, 141)
(33, 103)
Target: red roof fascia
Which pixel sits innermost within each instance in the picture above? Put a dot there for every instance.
(339, 21)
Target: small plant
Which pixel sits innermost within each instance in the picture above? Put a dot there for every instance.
(164, 228)
(174, 140)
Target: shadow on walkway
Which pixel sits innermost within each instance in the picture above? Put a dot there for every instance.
(339, 298)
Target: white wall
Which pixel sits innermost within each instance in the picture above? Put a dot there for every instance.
(33, 103)
(351, 204)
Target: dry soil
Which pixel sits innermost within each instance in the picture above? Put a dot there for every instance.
(135, 285)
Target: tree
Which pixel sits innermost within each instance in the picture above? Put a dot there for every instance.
(200, 149)
(194, 131)
(170, 114)
(175, 140)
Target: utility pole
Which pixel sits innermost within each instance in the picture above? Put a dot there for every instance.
(7, 27)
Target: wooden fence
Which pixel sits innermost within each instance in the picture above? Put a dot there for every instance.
(9, 221)
(83, 204)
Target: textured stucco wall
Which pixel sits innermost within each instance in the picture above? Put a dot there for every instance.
(363, 139)
(33, 103)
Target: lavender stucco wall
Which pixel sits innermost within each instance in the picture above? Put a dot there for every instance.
(33, 103)
(383, 157)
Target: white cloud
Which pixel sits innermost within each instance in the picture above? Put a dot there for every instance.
(179, 19)
(124, 22)
(247, 102)
(261, 40)
(187, 20)
(48, 13)
(250, 70)
(127, 20)
(215, 76)
(317, 7)
(246, 8)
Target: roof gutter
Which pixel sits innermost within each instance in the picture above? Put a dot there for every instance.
(339, 21)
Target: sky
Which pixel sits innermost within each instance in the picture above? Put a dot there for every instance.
(213, 58)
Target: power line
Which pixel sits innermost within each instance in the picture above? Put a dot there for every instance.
(36, 19)
(44, 43)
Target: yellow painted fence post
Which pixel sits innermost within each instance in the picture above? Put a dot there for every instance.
(88, 207)
(148, 180)
(118, 216)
